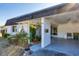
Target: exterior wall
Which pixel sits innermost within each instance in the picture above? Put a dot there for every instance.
(9, 30)
(18, 27)
(0, 33)
(38, 32)
(46, 37)
(63, 29)
(26, 28)
(62, 35)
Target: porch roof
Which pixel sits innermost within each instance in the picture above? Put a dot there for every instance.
(42, 13)
(68, 17)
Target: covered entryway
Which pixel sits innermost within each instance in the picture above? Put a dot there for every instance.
(65, 35)
(67, 47)
(63, 26)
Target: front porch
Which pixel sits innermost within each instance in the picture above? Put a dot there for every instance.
(67, 47)
(65, 26)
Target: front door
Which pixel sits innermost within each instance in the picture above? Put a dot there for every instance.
(53, 31)
(76, 36)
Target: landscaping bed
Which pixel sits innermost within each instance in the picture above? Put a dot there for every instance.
(7, 49)
(12, 51)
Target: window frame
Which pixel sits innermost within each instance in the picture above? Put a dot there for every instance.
(14, 28)
(54, 31)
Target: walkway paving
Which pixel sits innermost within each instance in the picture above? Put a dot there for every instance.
(45, 52)
(67, 47)
(70, 47)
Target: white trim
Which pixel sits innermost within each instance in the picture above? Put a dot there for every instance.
(45, 37)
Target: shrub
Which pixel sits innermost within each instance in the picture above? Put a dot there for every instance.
(20, 38)
(6, 35)
(38, 38)
(32, 33)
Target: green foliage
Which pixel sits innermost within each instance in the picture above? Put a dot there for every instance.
(32, 33)
(6, 35)
(38, 38)
(20, 38)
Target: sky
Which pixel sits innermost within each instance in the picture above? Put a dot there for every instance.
(11, 10)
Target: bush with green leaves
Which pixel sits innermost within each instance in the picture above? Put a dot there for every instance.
(6, 35)
(38, 38)
(32, 33)
(20, 38)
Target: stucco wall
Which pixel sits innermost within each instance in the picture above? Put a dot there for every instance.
(9, 30)
(26, 28)
(70, 27)
(46, 37)
(63, 29)
(18, 27)
(0, 33)
(62, 35)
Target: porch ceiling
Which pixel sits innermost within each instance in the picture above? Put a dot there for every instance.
(62, 18)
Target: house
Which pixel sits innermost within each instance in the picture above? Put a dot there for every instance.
(60, 21)
(3, 30)
(0, 32)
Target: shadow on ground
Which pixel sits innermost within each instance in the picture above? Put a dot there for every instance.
(44, 52)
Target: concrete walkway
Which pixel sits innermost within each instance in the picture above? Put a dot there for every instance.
(68, 47)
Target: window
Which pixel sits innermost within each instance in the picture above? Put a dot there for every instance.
(5, 30)
(14, 29)
(69, 34)
(46, 30)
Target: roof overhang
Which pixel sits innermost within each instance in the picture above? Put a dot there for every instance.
(66, 17)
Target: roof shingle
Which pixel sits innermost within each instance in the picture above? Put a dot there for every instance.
(41, 13)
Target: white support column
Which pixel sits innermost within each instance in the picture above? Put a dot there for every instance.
(45, 33)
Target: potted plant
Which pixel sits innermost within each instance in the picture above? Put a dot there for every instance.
(37, 39)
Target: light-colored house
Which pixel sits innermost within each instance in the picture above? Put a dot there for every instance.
(60, 21)
(0, 32)
(3, 29)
